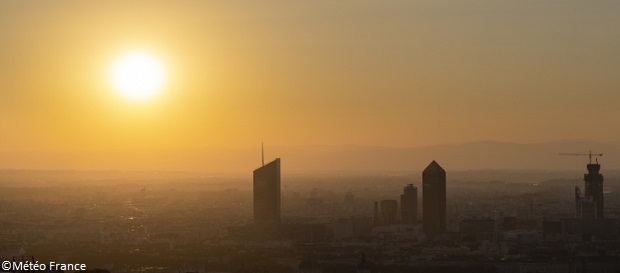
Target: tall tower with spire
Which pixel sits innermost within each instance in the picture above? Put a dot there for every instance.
(266, 190)
(434, 200)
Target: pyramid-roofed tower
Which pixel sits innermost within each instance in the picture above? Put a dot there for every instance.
(434, 200)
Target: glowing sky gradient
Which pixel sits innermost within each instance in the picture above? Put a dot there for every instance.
(397, 73)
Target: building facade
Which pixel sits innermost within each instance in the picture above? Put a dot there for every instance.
(409, 205)
(591, 204)
(434, 200)
(267, 204)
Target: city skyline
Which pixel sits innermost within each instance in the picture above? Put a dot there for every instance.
(133, 136)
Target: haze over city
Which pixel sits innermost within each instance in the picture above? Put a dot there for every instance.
(309, 136)
(229, 75)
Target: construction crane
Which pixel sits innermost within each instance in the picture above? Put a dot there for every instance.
(590, 155)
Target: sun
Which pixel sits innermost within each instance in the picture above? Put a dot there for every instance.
(138, 76)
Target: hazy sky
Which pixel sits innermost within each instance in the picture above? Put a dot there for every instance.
(386, 73)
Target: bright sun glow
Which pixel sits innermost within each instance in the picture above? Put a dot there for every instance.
(138, 76)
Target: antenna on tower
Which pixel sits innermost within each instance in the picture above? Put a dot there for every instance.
(262, 152)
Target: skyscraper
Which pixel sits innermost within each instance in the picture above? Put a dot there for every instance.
(409, 205)
(389, 212)
(591, 205)
(434, 200)
(267, 194)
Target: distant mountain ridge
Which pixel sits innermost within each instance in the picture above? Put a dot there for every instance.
(349, 159)
(478, 155)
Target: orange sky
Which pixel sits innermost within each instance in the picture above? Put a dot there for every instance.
(403, 73)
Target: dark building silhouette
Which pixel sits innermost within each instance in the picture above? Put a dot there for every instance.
(267, 194)
(386, 214)
(551, 228)
(389, 212)
(594, 188)
(591, 229)
(578, 202)
(376, 218)
(473, 226)
(478, 229)
(409, 205)
(591, 205)
(434, 200)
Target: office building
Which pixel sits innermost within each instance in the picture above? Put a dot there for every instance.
(434, 200)
(267, 194)
(389, 212)
(591, 204)
(386, 213)
(409, 205)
